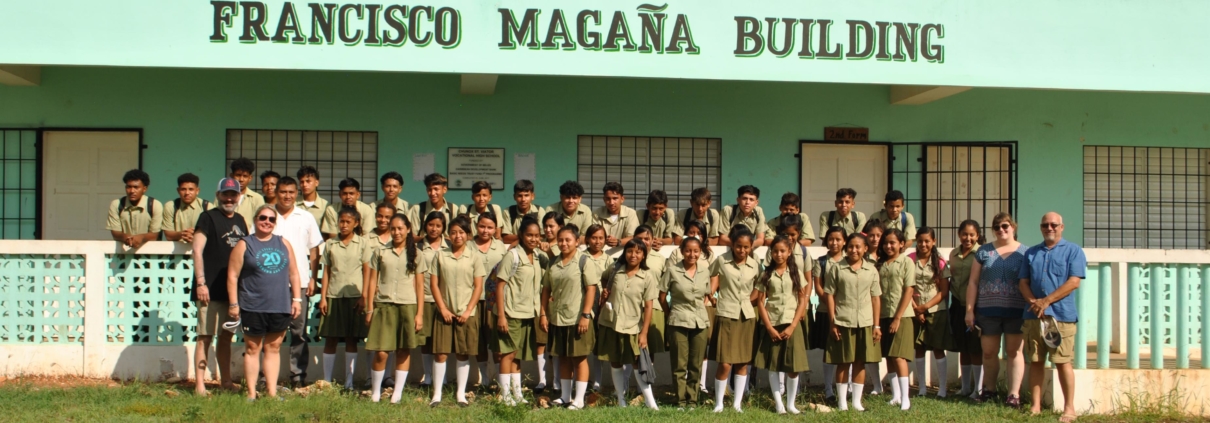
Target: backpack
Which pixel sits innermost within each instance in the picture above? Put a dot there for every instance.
(176, 204)
(150, 206)
(689, 214)
(832, 221)
(424, 212)
(514, 213)
(735, 215)
(665, 218)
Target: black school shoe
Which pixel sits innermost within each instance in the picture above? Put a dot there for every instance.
(986, 396)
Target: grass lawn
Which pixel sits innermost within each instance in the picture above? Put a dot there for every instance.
(32, 401)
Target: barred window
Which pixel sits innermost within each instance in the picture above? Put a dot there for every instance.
(336, 154)
(642, 164)
(946, 183)
(1146, 197)
(18, 184)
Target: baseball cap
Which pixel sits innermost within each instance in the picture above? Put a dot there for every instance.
(228, 184)
(1050, 332)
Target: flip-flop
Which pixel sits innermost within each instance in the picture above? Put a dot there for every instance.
(1068, 418)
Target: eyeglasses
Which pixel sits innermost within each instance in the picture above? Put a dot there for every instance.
(1051, 225)
(264, 217)
(1004, 226)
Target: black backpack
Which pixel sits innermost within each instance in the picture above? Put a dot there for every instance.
(514, 213)
(176, 204)
(666, 218)
(832, 221)
(689, 218)
(424, 205)
(150, 206)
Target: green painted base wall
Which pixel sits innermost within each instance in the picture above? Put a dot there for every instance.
(185, 113)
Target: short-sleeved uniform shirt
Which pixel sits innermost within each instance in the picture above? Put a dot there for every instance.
(316, 208)
(375, 242)
(396, 285)
(332, 218)
(429, 254)
(1048, 268)
(662, 227)
(603, 262)
(959, 266)
(491, 258)
(469, 211)
(144, 217)
(344, 263)
(401, 207)
(655, 265)
(818, 271)
(627, 296)
(843, 221)
(905, 222)
(582, 217)
(509, 223)
(999, 282)
(303, 234)
(620, 226)
(248, 203)
(780, 301)
(416, 215)
(735, 284)
(177, 220)
(895, 275)
(805, 232)
(926, 282)
(852, 291)
(677, 256)
(222, 234)
(800, 256)
(523, 283)
(456, 278)
(755, 221)
(687, 307)
(568, 285)
(711, 220)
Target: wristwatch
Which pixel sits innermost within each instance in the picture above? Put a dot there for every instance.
(587, 316)
(298, 300)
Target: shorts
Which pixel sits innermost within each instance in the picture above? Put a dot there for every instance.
(1036, 350)
(260, 324)
(996, 326)
(210, 317)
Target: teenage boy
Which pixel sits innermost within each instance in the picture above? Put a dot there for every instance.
(661, 221)
(218, 231)
(242, 170)
(523, 195)
(699, 211)
(791, 204)
(268, 186)
(350, 196)
(844, 216)
(746, 211)
(136, 218)
(392, 185)
(435, 186)
(619, 220)
(308, 187)
(570, 194)
(180, 215)
(481, 202)
(892, 215)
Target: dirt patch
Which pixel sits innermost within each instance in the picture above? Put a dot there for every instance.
(61, 382)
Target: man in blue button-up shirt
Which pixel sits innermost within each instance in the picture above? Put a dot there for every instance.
(1049, 277)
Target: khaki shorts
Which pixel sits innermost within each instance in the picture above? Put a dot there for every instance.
(210, 318)
(1036, 349)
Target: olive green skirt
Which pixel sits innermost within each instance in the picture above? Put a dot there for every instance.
(393, 327)
(429, 309)
(454, 337)
(617, 347)
(732, 341)
(934, 333)
(854, 344)
(487, 324)
(655, 334)
(567, 341)
(963, 341)
(788, 356)
(710, 313)
(541, 337)
(520, 339)
(901, 344)
(344, 320)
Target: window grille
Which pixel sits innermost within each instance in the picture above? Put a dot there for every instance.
(642, 164)
(946, 183)
(1146, 197)
(18, 184)
(335, 154)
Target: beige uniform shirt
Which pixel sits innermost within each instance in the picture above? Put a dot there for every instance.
(623, 311)
(926, 285)
(375, 242)
(780, 301)
(428, 254)
(603, 262)
(800, 256)
(845, 222)
(450, 210)
(183, 219)
(344, 265)
(712, 221)
(401, 207)
(662, 227)
(754, 221)
(523, 283)
(894, 276)
(818, 272)
(677, 257)
(469, 211)
(568, 285)
(853, 292)
(655, 265)
(960, 271)
(735, 284)
(491, 257)
(248, 203)
(687, 307)
(620, 226)
(331, 220)
(582, 218)
(396, 285)
(456, 278)
(508, 223)
(136, 219)
(806, 232)
(316, 209)
(909, 229)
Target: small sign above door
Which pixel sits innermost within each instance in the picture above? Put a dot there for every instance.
(837, 133)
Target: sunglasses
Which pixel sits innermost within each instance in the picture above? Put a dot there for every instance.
(1051, 225)
(1004, 226)
(264, 217)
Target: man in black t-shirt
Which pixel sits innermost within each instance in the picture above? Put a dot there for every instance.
(218, 231)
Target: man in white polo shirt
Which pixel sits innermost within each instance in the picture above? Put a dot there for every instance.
(298, 226)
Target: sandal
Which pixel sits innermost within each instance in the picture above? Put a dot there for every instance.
(1013, 401)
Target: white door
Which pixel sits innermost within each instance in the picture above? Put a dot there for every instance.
(81, 174)
(829, 167)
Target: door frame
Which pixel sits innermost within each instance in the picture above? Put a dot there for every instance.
(40, 149)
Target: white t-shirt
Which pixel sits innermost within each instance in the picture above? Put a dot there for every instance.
(300, 229)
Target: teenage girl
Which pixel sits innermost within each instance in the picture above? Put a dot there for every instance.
(932, 309)
(568, 293)
(628, 291)
(594, 237)
(491, 250)
(549, 245)
(897, 276)
(393, 290)
(381, 235)
(434, 243)
(518, 299)
(873, 231)
(686, 286)
(655, 266)
(782, 303)
(697, 229)
(834, 242)
(456, 283)
(733, 276)
(965, 342)
(346, 263)
(854, 302)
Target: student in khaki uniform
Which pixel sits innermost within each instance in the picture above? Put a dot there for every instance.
(627, 291)
(745, 212)
(550, 224)
(733, 276)
(655, 266)
(931, 308)
(242, 171)
(897, 276)
(844, 216)
(180, 215)
(308, 185)
(135, 219)
(834, 242)
(392, 185)
(873, 231)
(435, 186)
(965, 342)
(268, 186)
(854, 303)
(697, 230)
(392, 294)
(618, 219)
(523, 196)
(791, 204)
(481, 203)
(789, 227)
(660, 219)
(457, 282)
(568, 294)
(570, 194)
(491, 250)
(350, 197)
(684, 292)
(893, 216)
(433, 243)
(594, 237)
(700, 211)
(781, 344)
(346, 263)
(518, 296)
(380, 236)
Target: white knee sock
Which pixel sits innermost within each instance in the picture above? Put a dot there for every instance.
(741, 383)
(376, 384)
(922, 382)
(518, 394)
(579, 399)
(554, 371)
(618, 389)
(648, 394)
(904, 385)
(483, 376)
(401, 379)
(775, 390)
(829, 379)
(965, 376)
(504, 381)
(350, 367)
(791, 394)
(329, 364)
(896, 394)
(873, 376)
(565, 390)
(842, 396)
(702, 383)
(720, 388)
(462, 372)
(942, 379)
(438, 374)
(542, 369)
(857, 388)
(427, 361)
(627, 370)
(977, 380)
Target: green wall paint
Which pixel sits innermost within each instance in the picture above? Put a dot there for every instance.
(185, 113)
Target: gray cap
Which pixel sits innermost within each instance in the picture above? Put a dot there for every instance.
(228, 184)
